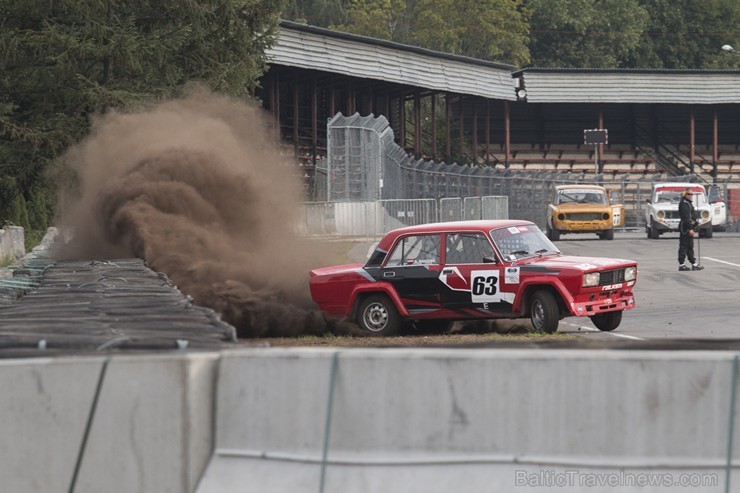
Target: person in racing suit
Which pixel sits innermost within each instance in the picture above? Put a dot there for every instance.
(686, 229)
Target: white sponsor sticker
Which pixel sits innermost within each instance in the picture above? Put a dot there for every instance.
(616, 216)
(512, 275)
(485, 286)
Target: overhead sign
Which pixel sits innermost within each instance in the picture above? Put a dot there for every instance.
(596, 136)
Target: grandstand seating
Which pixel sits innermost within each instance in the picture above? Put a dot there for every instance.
(617, 159)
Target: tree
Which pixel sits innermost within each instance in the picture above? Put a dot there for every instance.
(689, 34)
(585, 33)
(66, 60)
(320, 13)
(374, 18)
(493, 30)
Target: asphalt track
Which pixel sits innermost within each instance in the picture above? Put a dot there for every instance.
(669, 304)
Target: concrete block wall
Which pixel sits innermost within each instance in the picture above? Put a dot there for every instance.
(12, 243)
(151, 431)
(440, 420)
(398, 420)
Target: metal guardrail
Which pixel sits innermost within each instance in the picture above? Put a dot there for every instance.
(371, 183)
(374, 219)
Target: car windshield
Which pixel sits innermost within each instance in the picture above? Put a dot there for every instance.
(667, 196)
(580, 196)
(674, 197)
(516, 242)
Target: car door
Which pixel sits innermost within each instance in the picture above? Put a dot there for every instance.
(472, 277)
(616, 201)
(412, 268)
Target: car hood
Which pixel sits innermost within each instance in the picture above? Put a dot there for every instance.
(674, 207)
(577, 263)
(580, 207)
(665, 207)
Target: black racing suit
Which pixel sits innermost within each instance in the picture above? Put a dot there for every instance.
(686, 241)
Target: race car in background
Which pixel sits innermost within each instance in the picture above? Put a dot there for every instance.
(584, 209)
(661, 213)
(430, 275)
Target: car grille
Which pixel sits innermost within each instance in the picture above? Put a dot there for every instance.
(611, 277)
(583, 216)
(672, 215)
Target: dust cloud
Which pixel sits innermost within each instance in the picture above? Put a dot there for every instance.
(195, 187)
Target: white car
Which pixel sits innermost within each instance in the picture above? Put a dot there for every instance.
(661, 213)
(719, 208)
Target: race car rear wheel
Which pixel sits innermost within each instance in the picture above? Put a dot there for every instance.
(544, 312)
(607, 321)
(378, 315)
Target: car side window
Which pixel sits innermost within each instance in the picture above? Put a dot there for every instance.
(467, 248)
(415, 250)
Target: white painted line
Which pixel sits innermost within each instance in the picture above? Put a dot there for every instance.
(721, 261)
(615, 334)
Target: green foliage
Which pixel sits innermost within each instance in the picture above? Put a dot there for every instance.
(689, 34)
(322, 13)
(374, 18)
(486, 29)
(585, 33)
(63, 61)
(552, 33)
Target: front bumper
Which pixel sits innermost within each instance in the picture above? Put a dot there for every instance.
(583, 226)
(671, 225)
(604, 299)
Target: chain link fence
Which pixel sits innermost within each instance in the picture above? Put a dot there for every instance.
(365, 164)
(374, 219)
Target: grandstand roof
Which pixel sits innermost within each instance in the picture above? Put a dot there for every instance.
(314, 48)
(649, 86)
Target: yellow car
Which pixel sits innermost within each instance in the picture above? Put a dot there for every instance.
(584, 209)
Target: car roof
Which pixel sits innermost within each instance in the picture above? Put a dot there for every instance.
(678, 184)
(452, 226)
(587, 187)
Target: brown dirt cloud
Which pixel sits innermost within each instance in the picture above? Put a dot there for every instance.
(195, 188)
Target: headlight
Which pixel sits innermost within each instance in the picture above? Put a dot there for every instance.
(660, 214)
(630, 273)
(590, 280)
(705, 215)
(605, 216)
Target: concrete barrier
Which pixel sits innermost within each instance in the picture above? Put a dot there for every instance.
(151, 430)
(12, 243)
(436, 420)
(370, 420)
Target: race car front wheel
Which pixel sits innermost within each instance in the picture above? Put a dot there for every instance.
(553, 233)
(607, 321)
(378, 315)
(544, 312)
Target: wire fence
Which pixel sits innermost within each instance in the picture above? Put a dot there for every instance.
(364, 164)
(374, 219)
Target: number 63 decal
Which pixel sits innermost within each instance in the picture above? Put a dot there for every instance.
(485, 286)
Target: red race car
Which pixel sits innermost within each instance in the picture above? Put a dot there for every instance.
(433, 274)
